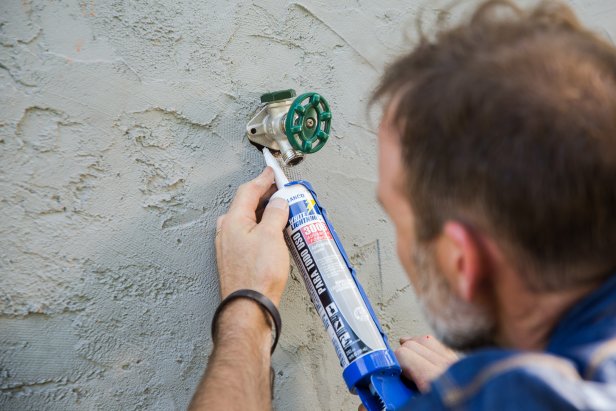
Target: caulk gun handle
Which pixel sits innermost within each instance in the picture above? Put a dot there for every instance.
(387, 392)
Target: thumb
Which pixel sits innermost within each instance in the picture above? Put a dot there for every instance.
(276, 214)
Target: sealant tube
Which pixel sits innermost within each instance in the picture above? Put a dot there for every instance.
(370, 368)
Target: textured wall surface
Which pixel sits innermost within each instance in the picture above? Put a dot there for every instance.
(121, 141)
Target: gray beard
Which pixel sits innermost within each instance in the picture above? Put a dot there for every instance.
(458, 324)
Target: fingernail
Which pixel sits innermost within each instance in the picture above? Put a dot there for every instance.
(279, 203)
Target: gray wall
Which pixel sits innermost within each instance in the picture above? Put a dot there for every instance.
(121, 141)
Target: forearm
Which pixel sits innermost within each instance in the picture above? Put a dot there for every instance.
(238, 371)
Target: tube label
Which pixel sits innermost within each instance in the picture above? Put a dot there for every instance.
(329, 282)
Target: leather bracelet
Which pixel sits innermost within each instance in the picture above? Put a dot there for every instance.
(260, 299)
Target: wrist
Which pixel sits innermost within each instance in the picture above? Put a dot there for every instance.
(244, 320)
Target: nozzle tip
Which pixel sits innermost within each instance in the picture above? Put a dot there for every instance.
(281, 179)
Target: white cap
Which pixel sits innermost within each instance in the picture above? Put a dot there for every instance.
(281, 179)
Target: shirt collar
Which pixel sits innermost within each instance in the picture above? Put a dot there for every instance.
(588, 319)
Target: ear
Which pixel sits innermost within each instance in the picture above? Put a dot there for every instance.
(460, 257)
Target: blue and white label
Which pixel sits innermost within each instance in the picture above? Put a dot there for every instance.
(329, 282)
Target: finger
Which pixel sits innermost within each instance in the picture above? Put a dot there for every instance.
(248, 194)
(275, 216)
(433, 344)
(427, 341)
(428, 354)
(263, 202)
(404, 339)
(415, 367)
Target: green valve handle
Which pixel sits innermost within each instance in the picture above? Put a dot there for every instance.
(308, 123)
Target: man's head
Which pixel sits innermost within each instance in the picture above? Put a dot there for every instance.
(457, 322)
(499, 138)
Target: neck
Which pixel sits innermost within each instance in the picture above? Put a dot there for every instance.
(527, 318)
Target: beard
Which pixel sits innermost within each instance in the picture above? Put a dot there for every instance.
(458, 324)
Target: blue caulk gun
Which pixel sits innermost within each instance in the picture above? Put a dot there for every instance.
(370, 366)
(294, 126)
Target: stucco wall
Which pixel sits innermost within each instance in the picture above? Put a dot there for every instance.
(121, 141)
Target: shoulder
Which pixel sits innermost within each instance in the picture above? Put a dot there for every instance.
(509, 380)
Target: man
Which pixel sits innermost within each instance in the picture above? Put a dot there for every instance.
(497, 166)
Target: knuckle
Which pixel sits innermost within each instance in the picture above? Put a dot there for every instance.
(400, 352)
(245, 188)
(271, 230)
(409, 344)
(259, 181)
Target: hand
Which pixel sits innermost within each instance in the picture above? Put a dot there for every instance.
(423, 359)
(250, 254)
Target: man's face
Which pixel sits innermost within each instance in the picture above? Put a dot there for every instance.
(459, 324)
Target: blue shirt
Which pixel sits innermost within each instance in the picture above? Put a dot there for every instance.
(577, 371)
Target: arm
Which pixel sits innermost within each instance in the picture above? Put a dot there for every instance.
(238, 371)
(251, 255)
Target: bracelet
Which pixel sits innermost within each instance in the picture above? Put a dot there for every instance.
(259, 298)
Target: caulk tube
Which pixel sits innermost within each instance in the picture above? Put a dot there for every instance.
(370, 366)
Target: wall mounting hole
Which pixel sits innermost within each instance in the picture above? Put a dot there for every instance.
(253, 131)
